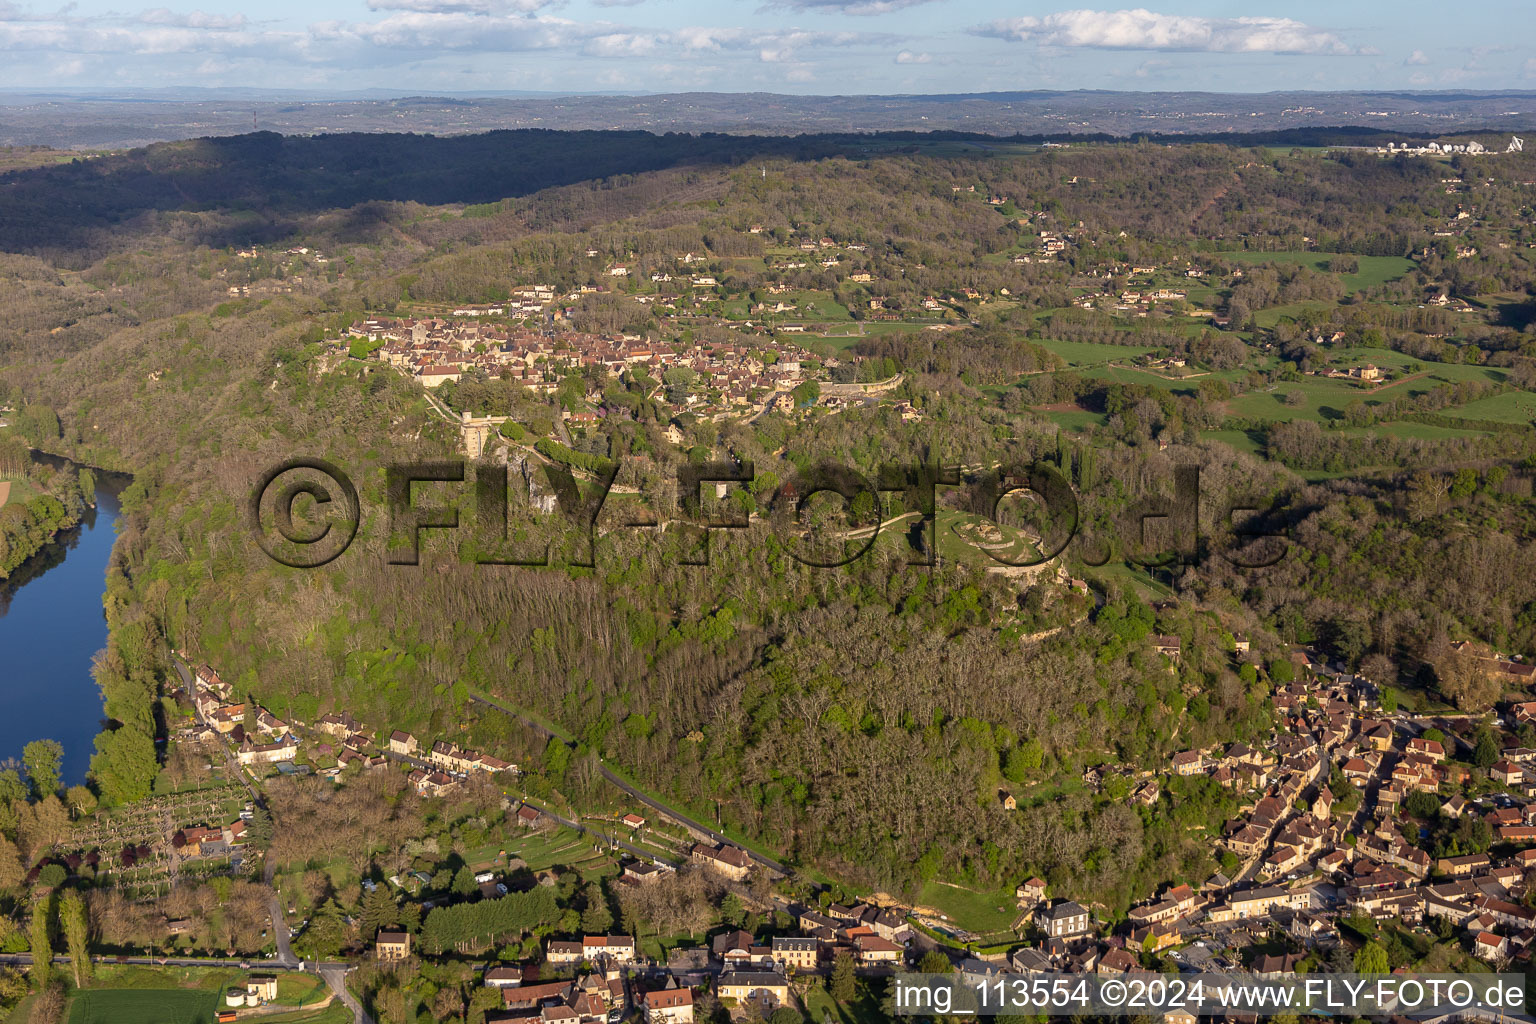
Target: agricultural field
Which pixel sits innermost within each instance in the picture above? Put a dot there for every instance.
(1374, 270)
(17, 490)
(142, 1006)
(1074, 420)
(539, 850)
(1088, 353)
(1322, 401)
(1272, 315)
(1250, 441)
(1510, 407)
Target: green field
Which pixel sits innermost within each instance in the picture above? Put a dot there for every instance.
(142, 1006)
(562, 846)
(1374, 270)
(1325, 400)
(1075, 420)
(19, 489)
(335, 1013)
(1242, 440)
(957, 541)
(1274, 314)
(1126, 375)
(1510, 407)
(1085, 353)
(1424, 431)
(821, 1008)
(979, 912)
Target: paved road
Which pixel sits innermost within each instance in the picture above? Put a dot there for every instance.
(336, 978)
(631, 790)
(250, 963)
(229, 757)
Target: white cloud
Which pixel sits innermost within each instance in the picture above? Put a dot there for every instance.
(908, 57)
(417, 32)
(1416, 59)
(193, 19)
(487, 7)
(1141, 29)
(773, 47)
(859, 7)
(621, 44)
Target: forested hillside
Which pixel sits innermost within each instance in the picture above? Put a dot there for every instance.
(862, 721)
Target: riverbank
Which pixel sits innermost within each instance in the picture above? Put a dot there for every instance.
(52, 625)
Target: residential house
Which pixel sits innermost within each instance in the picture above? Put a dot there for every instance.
(766, 989)
(794, 951)
(1030, 893)
(1062, 919)
(503, 977)
(873, 950)
(668, 1006)
(730, 861)
(252, 753)
(561, 951)
(618, 948)
(1507, 772)
(392, 944)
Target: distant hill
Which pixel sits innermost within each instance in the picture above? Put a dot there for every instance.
(75, 120)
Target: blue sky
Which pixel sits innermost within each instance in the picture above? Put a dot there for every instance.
(792, 46)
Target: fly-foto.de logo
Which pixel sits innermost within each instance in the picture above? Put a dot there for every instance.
(306, 512)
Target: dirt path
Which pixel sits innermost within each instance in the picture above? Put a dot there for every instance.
(1217, 197)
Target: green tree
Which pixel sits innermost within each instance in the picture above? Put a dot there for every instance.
(42, 759)
(327, 932)
(1388, 699)
(934, 962)
(75, 925)
(1372, 958)
(842, 984)
(596, 918)
(80, 800)
(1487, 750)
(732, 910)
(11, 870)
(124, 765)
(377, 910)
(258, 831)
(41, 942)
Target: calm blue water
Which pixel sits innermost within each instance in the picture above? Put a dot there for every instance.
(51, 625)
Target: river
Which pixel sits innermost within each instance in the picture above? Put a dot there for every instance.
(51, 626)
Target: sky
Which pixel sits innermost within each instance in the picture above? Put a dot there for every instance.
(786, 46)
